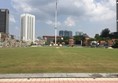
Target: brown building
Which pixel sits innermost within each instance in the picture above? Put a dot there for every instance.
(50, 39)
(71, 42)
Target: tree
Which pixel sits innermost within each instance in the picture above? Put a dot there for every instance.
(105, 33)
(79, 39)
(66, 40)
(115, 45)
(114, 35)
(97, 37)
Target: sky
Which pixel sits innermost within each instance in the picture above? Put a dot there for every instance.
(88, 16)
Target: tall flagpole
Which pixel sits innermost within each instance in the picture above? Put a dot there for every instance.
(116, 15)
(56, 24)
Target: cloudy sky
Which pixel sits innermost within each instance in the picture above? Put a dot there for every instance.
(88, 16)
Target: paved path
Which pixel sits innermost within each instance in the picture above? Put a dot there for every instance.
(61, 80)
(60, 75)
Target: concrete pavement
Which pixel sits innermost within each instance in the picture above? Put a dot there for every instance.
(61, 80)
(60, 75)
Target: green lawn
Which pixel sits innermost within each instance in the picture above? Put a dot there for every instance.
(58, 60)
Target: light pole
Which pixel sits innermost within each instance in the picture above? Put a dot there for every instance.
(56, 24)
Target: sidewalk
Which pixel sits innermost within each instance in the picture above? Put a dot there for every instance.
(61, 80)
(60, 75)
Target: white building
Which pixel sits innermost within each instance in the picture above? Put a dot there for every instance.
(28, 27)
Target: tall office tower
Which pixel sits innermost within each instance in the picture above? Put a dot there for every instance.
(28, 27)
(4, 20)
(117, 15)
(65, 33)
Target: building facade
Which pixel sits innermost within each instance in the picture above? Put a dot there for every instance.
(28, 27)
(65, 33)
(77, 33)
(50, 39)
(4, 21)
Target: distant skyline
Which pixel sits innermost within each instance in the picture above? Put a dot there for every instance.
(88, 16)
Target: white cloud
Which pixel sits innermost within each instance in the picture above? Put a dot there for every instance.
(97, 11)
(89, 9)
(101, 13)
(12, 19)
(22, 5)
(69, 22)
(88, 13)
(49, 22)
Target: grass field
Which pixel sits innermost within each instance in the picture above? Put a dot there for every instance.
(58, 60)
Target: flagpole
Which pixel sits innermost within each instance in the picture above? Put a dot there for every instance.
(56, 24)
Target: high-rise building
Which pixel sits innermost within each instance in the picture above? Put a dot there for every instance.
(61, 33)
(4, 21)
(117, 15)
(77, 33)
(28, 27)
(65, 33)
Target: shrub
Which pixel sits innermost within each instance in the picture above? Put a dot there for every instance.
(115, 45)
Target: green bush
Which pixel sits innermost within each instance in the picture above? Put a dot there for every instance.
(115, 44)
